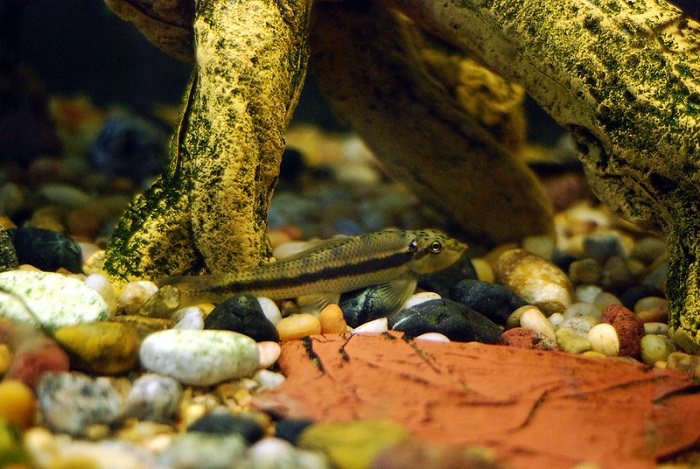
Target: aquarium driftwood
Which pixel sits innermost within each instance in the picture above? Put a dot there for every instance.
(624, 77)
(209, 209)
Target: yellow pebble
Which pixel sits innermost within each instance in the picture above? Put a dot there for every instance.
(16, 403)
(484, 272)
(297, 326)
(5, 358)
(592, 354)
(332, 320)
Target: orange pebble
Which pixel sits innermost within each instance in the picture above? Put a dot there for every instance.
(297, 326)
(332, 320)
(16, 403)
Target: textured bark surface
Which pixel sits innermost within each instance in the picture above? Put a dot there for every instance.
(624, 77)
(437, 120)
(211, 206)
(535, 409)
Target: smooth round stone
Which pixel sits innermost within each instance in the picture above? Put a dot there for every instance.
(540, 246)
(537, 281)
(616, 275)
(585, 271)
(135, 295)
(332, 320)
(191, 317)
(630, 329)
(656, 314)
(443, 280)
(64, 195)
(601, 246)
(269, 353)
(100, 347)
(16, 403)
(12, 446)
(376, 326)
(447, 317)
(101, 285)
(527, 339)
(70, 402)
(267, 379)
(290, 429)
(655, 348)
(494, 301)
(648, 249)
(587, 293)
(635, 293)
(297, 326)
(603, 339)
(570, 341)
(5, 358)
(484, 271)
(649, 302)
(243, 314)
(200, 358)
(34, 357)
(222, 422)
(582, 309)
(656, 328)
(54, 299)
(46, 249)
(143, 325)
(204, 450)
(605, 299)
(556, 319)
(533, 320)
(659, 273)
(684, 362)
(433, 337)
(514, 317)
(276, 453)
(421, 297)
(580, 324)
(367, 304)
(153, 397)
(270, 309)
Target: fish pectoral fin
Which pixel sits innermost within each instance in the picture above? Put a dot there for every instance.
(316, 302)
(396, 292)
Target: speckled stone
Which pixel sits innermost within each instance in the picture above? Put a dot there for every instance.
(630, 329)
(8, 256)
(200, 358)
(70, 402)
(570, 341)
(527, 339)
(494, 301)
(655, 348)
(153, 397)
(243, 314)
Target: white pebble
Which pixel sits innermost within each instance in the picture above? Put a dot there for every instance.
(101, 285)
(88, 249)
(269, 353)
(556, 319)
(191, 317)
(660, 328)
(277, 453)
(604, 339)
(418, 298)
(588, 293)
(580, 308)
(267, 379)
(200, 358)
(135, 295)
(533, 320)
(372, 327)
(580, 324)
(433, 337)
(270, 309)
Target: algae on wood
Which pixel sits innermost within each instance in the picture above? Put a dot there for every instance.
(443, 124)
(624, 77)
(209, 209)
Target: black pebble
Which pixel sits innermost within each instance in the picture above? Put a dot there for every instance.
(223, 423)
(633, 294)
(447, 317)
(361, 306)
(494, 301)
(441, 281)
(242, 313)
(289, 429)
(46, 250)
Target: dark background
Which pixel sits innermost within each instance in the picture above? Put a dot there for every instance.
(79, 46)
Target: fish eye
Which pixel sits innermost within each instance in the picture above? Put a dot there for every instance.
(413, 245)
(436, 247)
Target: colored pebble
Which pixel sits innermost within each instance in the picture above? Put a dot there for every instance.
(533, 319)
(352, 444)
(270, 309)
(277, 453)
(447, 317)
(16, 403)
(70, 402)
(684, 362)
(587, 293)
(12, 448)
(580, 324)
(630, 329)
(585, 271)
(135, 295)
(604, 340)
(616, 276)
(649, 302)
(514, 317)
(433, 337)
(296, 326)
(603, 245)
(269, 353)
(53, 299)
(535, 280)
(46, 250)
(243, 314)
(200, 358)
(34, 357)
(570, 341)
(100, 347)
(290, 429)
(222, 422)
(582, 309)
(375, 326)
(494, 301)
(332, 320)
(556, 319)
(192, 449)
(655, 348)
(648, 249)
(5, 358)
(153, 397)
(484, 271)
(656, 328)
(527, 339)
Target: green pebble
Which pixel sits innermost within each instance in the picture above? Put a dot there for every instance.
(352, 445)
(572, 342)
(11, 450)
(655, 348)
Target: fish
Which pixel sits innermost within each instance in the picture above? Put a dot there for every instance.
(391, 258)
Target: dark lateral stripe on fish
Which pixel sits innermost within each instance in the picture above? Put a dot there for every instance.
(330, 273)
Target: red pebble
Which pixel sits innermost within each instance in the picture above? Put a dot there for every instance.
(36, 356)
(525, 338)
(629, 328)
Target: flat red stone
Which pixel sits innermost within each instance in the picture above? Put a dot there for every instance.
(535, 408)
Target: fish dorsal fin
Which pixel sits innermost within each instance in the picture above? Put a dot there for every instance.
(316, 246)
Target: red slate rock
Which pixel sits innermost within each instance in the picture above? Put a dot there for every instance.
(525, 338)
(36, 356)
(629, 328)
